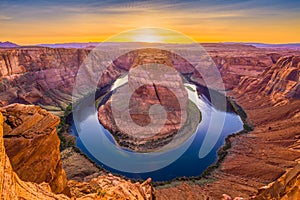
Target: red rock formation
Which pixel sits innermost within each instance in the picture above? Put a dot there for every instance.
(151, 85)
(253, 160)
(262, 155)
(12, 187)
(280, 81)
(26, 121)
(112, 187)
(32, 145)
(39, 75)
(285, 187)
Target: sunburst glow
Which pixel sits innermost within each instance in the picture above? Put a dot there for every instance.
(147, 35)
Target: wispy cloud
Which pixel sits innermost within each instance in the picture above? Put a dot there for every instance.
(5, 17)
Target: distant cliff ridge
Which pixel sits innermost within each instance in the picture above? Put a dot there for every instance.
(39, 75)
(280, 81)
(45, 76)
(8, 45)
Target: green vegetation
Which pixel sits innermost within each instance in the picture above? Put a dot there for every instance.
(207, 176)
(239, 111)
(101, 193)
(63, 128)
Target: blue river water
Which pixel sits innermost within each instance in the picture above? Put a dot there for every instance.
(188, 164)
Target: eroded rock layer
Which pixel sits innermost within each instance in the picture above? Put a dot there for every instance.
(280, 81)
(263, 155)
(254, 159)
(39, 75)
(12, 187)
(285, 187)
(130, 113)
(25, 121)
(30, 136)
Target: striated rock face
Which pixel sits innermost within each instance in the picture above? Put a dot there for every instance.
(39, 75)
(232, 67)
(285, 79)
(22, 123)
(78, 167)
(280, 81)
(32, 145)
(264, 154)
(285, 187)
(141, 126)
(45, 76)
(12, 187)
(112, 187)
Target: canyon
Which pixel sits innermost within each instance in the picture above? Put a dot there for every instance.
(265, 82)
(45, 76)
(31, 168)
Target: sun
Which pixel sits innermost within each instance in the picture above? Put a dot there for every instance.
(151, 35)
(147, 35)
(149, 38)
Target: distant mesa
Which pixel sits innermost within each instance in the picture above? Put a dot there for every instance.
(8, 45)
(76, 45)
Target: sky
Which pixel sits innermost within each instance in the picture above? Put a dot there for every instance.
(36, 22)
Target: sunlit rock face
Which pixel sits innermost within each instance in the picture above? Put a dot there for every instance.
(149, 110)
(152, 107)
(285, 187)
(41, 76)
(46, 76)
(32, 145)
(31, 131)
(280, 81)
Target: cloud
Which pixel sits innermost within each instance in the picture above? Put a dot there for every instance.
(5, 18)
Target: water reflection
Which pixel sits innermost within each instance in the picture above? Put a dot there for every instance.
(181, 160)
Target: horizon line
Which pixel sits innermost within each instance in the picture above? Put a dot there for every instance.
(204, 42)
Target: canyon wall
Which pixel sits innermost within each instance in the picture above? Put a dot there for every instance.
(285, 187)
(39, 75)
(45, 76)
(260, 79)
(30, 136)
(280, 81)
(12, 187)
(27, 135)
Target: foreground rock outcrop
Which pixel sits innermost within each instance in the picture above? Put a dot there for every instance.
(21, 124)
(285, 187)
(112, 187)
(32, 145)
(12, 187)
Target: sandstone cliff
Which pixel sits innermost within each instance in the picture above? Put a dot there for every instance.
(12, 187)
(254, 159)
(280, 81)
(31, 131)
(39, 75)
(45, 76)
(30, 136)
(270, 99)
(285, 187)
